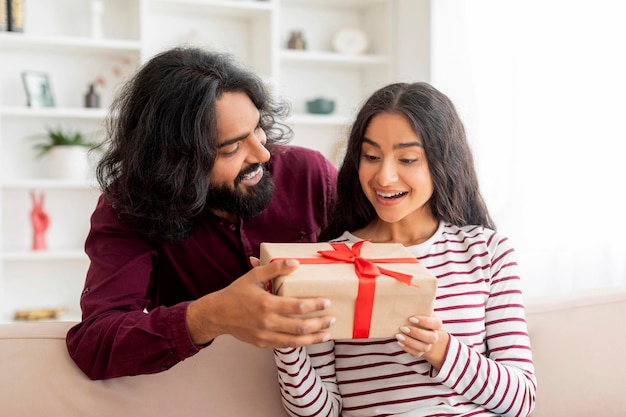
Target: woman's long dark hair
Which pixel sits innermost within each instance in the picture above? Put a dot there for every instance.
(162, 135)
(456, 198)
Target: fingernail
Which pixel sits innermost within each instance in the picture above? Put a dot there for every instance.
(405, 329)
(400, 338)
(414, 320)
(326, 337)
(326, 303)
(331, 321)
(292, 262)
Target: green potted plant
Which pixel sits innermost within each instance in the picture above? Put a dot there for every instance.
(59, 137)
(66, 153)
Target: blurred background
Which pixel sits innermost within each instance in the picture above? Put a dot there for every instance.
(538, 84)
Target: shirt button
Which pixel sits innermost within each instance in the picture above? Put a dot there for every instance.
(233, 227)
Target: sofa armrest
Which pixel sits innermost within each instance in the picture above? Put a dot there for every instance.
(578, 343)
(38, 378)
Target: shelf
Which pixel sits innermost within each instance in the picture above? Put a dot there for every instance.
(53, 112)
(231, 8)
(332, 58)
(45, 183)
(319, 119)
(69, 43)
(58, 41)
(337, 4)
(47, 255)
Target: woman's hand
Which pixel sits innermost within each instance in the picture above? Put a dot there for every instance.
(425, 338)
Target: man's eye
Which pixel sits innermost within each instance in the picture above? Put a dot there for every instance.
(231, 149)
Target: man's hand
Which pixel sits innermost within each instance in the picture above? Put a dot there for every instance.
(248, 312)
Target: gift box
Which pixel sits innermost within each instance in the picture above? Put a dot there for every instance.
(373, 287)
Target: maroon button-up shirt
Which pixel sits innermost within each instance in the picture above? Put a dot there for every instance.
(137, 290)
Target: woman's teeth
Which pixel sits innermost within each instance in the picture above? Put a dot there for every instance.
(391, 195)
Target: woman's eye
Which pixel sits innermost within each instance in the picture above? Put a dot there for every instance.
(369, 157)
(408, 161)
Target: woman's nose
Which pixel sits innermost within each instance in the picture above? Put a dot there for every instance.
(387, 174)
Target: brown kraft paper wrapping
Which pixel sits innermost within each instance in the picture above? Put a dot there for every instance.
(394, 301)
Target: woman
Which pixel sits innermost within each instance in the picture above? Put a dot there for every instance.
(408, 177)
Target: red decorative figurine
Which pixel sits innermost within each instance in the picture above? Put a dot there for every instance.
(40, 221)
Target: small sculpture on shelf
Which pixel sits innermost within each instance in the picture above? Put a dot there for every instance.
(296, 40)
(40, 221)
(106, 79)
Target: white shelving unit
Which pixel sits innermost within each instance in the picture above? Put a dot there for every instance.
(60, 39)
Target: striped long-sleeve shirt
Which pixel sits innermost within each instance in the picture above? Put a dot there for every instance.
(487, 369)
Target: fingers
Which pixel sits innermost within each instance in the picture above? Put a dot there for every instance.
(281, 323)
(419, 338)
(266, 273)
(294, 332)
(298, 306)
(246, 311)
(254, 262)
(285, 321)
(285, 305)
(426, 322)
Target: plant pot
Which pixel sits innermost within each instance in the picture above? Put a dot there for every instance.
(68, 162)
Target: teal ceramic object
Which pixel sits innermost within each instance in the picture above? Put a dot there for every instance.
(320, 106)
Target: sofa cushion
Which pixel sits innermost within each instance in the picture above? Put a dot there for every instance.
(38, 378)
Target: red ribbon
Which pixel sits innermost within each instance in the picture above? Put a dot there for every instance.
(367, 272)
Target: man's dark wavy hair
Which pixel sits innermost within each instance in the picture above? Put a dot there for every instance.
(456, 197)
(162, 137)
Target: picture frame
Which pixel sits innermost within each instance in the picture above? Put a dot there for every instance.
(37, 86)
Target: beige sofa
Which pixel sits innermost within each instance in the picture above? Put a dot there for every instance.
(578, 342)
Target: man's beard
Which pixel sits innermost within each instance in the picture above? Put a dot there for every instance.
(238, 203)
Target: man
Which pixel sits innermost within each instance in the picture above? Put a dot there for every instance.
(194, 177)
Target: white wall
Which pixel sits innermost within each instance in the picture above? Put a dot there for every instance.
(541, 87)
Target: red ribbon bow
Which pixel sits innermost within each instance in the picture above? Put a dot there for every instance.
(367, 272)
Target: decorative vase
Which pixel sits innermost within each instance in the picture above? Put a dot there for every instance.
(92, 98)
(68, 162)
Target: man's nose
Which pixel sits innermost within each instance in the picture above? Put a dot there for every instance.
(258, 152)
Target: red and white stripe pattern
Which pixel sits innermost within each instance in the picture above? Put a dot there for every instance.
(488, 368)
